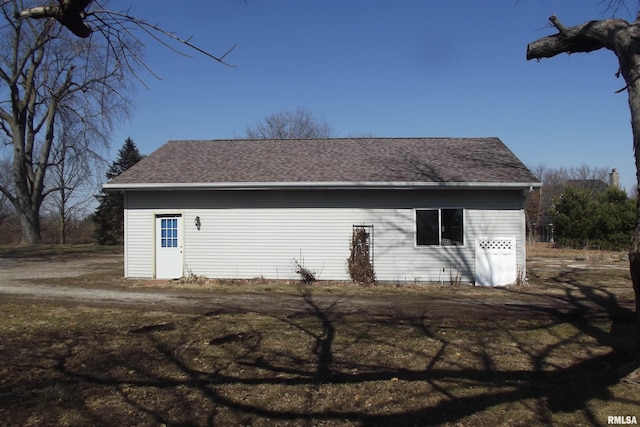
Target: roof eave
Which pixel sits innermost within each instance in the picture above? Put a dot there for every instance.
(371, 185)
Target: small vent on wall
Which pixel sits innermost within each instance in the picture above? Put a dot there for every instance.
(496, 244)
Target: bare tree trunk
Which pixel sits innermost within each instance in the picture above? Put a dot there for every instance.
(631, 74)
(634, 266)
(28, 211)
(622, 38)
(30, 225)
(63, 231)
(64, 215)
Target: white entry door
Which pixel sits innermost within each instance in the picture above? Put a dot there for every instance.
(169, 247)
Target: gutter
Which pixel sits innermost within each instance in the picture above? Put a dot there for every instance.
(321, 185)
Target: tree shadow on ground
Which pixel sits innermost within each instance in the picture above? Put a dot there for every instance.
(325, 365)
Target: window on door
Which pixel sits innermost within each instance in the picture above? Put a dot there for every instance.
(439, 227)
(169, 232)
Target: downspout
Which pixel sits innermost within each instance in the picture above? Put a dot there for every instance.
(125, 230)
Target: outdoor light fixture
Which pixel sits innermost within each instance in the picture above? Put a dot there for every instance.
(196, 221)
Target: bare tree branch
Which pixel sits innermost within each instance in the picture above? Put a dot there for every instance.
(300, 124)
(153, 29)
(587, 37)
(72, 15)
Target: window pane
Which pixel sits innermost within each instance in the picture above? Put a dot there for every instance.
(427, 227)
(169, 232)
(452, 230)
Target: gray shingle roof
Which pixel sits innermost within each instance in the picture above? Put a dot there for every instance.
(344, 160)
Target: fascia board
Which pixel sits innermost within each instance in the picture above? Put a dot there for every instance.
(337, 185)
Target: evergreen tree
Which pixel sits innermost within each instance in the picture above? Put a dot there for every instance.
(108, 218)
(605, 220)
(616, 218)
(573, 217)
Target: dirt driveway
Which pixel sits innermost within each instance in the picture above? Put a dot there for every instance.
(97, 280)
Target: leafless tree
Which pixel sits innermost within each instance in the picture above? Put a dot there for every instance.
(589, 178)
(74, 59)
(5, 180)
(46, 74)
(622, 38)
(72, 176)
(298, 124)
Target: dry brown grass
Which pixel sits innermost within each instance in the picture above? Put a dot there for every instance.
(88, 366)
(56, 251)
(539, 250)
(79, 365)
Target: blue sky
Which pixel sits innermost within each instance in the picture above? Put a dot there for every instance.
(385, 68)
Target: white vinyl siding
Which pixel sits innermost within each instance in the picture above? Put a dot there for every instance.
(246, 243)
(139, 247)
(245, 234)
(139, 238)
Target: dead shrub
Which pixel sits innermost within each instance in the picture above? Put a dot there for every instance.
(359, 262)
(193, 279)
(306, 276)
(455, 276)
